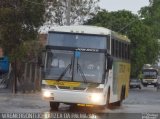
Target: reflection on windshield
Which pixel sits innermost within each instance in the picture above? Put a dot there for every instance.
(57, 62)
(74, 40)
(150, 74)
(87, 67)
(92, 65)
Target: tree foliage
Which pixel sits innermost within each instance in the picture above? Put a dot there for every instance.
(81, 10)
(19, 22)
(152, 16)
(144, 48)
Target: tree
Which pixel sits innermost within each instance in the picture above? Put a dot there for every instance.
(144, 49)
(81, 10)
(152, 16)
(19, 22)
(113, 20)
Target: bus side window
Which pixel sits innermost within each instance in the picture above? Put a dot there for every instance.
(129, 52)
(120, 50)
(113, 48)
(108, 43)
(116, 45)
(125, 51)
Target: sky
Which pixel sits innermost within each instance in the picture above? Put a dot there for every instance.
(131, 5)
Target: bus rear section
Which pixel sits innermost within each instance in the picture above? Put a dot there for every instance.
(150, 77)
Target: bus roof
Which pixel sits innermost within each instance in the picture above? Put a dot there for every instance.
(120, 37)
(86, 29)
(83, 29)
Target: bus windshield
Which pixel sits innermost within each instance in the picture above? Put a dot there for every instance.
(77, 40)
(150, 74)
(64, 63)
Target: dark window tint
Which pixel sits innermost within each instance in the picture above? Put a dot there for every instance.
(77, 40)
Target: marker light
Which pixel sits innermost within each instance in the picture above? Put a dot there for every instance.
(96, 97)
(46, 94)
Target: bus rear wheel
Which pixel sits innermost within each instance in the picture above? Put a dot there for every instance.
(54, 105)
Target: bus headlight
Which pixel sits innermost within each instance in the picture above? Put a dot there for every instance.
(46, 94)
(96, 97)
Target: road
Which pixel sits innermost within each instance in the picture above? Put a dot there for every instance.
(146, 100)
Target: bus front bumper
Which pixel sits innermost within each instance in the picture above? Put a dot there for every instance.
(76, 97)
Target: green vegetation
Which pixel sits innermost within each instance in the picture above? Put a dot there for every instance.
(144, 45)
(21, 19)
(19, 22)
(152, 17)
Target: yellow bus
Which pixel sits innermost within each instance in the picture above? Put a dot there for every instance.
(149, 76)
(85, 65)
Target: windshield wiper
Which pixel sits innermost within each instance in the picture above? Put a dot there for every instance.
(81, 72)
(66, 69)
(71, 67)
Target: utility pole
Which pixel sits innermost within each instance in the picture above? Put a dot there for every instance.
(68, 12)
(15, 61)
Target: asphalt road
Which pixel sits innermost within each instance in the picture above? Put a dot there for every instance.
(139, 103)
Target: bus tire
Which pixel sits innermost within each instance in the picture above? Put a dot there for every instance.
(155, 85)
(54, 105)
(123, 92)
(73, 106)
(118, 103)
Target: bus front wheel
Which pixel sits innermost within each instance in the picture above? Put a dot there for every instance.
(54, 105)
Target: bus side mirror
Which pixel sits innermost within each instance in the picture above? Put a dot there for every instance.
(41, 59)
(109, 62)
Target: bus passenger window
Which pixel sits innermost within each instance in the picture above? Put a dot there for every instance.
(108, 43)
(120, 50)
(126, 51)
(123, 51)
(113, 49)
(116, 44)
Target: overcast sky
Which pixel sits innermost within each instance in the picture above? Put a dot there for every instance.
(131, 5)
